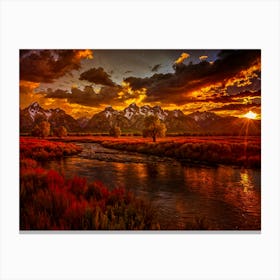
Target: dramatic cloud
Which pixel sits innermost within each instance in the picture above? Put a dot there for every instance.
(178, 87)
(240, 107)
(156, 67)
(127, 95)
(182, 58)
(247, 94)
(248, 97)
(45, 66)
(203, 57)
(26, 87)
(87, 96)
(97, 76)
(226, 82)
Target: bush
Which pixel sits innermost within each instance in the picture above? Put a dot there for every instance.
(42, 129)
(212, 150)
(115, 131)
(60, 132)
(48, 201)
(39, 149)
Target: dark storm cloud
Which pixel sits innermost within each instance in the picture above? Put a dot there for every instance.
(97, 76)
(187, 78)
(87, 96)
(156, 67)
(237, 98)
(255, 85)
(233, 98)
(48, 65)
(240, 107)
(58, 93)
(247, 94)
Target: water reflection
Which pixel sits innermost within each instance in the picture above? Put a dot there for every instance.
(219, 197)
(236, 187)
(246, 180)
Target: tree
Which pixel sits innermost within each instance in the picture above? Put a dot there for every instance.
(153, 127)
(61, 131)
(45, 128)
(115, 131)
(36, 131)
(42, 129)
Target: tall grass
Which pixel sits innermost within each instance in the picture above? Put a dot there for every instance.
(49, 201)
(232, 150)
(211, 152)
(40, 149)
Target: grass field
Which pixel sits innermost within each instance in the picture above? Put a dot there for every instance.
(232, 150)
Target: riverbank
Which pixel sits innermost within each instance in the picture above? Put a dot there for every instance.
(237, 151)
(167, 194)
(221, 197)
(50, 201)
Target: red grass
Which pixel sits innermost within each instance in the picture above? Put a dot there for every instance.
(211, 150)
(40, 149)
(49, 201)
(178, 139)
(233, 150)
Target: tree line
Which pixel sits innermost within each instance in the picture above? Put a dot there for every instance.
(43, 129)
(153, 128)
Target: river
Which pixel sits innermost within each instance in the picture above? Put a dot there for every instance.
(186, 196)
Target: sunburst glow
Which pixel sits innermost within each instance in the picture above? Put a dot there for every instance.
(250, 115)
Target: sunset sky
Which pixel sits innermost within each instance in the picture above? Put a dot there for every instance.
(84, 82)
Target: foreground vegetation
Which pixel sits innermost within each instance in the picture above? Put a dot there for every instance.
(50, 201)
(205, 152)
(40, 149)
(241, 151)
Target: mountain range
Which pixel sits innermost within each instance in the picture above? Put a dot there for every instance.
(131, 120)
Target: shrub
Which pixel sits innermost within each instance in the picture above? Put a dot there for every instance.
(60, 132)
(48, 201)
(42, 129)
(115, 131)
(39, 149)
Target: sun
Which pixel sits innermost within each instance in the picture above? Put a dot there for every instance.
(250, 115)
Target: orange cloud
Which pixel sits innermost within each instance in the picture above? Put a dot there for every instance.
(182, 58)
(129, 95)
(87, 54)
(27, 99)
(203, 57)
(27, 87)
(244, 76)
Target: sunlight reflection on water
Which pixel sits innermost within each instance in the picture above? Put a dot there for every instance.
(225, 197)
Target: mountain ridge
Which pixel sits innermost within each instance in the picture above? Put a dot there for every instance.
(131, 119)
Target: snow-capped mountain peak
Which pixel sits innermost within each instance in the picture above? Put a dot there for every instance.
(109, 111)
(34, 105)
(34, 113)
(133, 105)
(133, 110)
(203, 116)
(35, 109)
